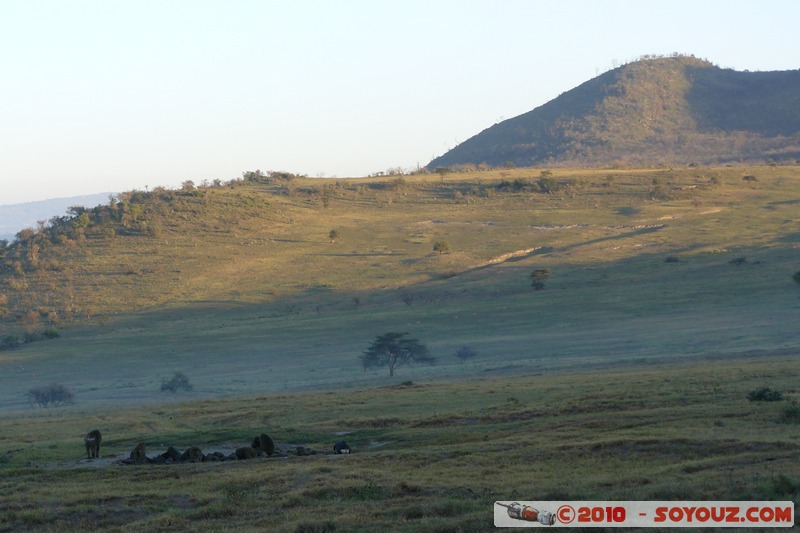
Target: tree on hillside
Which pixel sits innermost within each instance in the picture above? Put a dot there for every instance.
(443, 171)
(333, 235)
(537, 278)
(442, 247)
(393, 350)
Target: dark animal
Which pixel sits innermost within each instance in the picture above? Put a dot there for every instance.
(139, 454)
(172, 455)
(192, 455)
(92, 443)
(248, 452)
(215, 456)
(302, 450)
(265, 443)
(341, 447)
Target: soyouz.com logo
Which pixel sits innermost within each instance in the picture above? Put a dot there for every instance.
(746, 514)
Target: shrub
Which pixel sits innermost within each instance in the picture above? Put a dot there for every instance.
(765, 394)
(442, 247)
(9, 342)
(465, 352)
(537, 278)
(178, 382)
(790, 414)
(51, 395)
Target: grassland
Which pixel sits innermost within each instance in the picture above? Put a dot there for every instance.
(670, 297)
(427, 457)
(268, 303)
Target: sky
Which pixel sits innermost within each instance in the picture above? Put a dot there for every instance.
(117, 95)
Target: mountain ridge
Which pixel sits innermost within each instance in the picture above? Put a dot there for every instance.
(675, 110)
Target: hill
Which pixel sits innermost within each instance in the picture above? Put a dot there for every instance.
(16, 217)
(627, 376)
(241, 287)
(675, 110)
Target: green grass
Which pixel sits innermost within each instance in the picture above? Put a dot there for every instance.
(427, 456)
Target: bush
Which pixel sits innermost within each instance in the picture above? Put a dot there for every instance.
(537, 278)
(465, 352)
(51, 333)
(790, 414)
(51, 395)
(179, 381)
(442, 247)
(9, 342)
(765, 394)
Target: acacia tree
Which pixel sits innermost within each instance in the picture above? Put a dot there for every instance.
(394, 350)
(537, 278)
(441, 246)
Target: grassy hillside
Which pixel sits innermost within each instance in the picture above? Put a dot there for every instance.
(670, 297)
(241, 289)
(669, 110)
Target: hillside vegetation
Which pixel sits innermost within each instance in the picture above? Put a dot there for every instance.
(241, 287)
(668, 305)
(665, 110)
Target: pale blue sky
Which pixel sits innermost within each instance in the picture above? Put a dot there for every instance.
(105, 95)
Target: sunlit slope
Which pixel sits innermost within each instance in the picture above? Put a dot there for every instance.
(255, 243)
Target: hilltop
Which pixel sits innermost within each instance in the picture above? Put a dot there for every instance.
(16, 217)
(664, 110)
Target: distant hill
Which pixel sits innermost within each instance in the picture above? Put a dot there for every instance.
(676, 110)
(16, 217)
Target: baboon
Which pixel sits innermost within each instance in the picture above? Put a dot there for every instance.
(267, 444)
(248, 452)
(215, 456)
(341, 447)
(302, 450)
(172, 454)
(192, 455)
(139, 455)
(92, 443)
